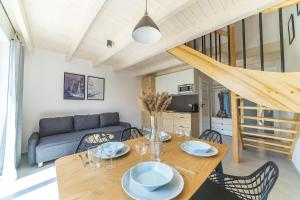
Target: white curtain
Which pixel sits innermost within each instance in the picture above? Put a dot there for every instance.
(13, 117)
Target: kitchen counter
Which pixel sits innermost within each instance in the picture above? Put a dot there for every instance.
(173, 111)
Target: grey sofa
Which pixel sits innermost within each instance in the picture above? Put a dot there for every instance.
(60, 136)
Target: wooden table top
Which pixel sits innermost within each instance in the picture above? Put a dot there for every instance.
(76, 182)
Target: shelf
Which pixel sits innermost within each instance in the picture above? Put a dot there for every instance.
(290, 121)
(268, 128)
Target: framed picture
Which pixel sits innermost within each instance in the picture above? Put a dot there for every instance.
(74, 86)
(291, 29)
(298, 9)
(95, 88)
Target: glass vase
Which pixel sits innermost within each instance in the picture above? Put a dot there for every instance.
(155, 142)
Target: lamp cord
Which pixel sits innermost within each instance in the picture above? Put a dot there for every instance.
(146, 13)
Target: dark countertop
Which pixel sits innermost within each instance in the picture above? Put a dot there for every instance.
(174, 111)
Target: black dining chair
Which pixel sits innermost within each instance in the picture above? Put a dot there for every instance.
(130, 133)
(256, 186)
(213, 136)
(90, 140)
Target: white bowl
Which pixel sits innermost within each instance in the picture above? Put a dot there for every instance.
(118, 145)
(151, 175)
(197, 146)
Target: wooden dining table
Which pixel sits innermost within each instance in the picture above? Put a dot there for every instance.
(78, 182)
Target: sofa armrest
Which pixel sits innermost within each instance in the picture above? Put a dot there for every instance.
(32, 143)
(125, 124)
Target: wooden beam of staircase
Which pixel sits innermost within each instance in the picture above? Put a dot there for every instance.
(271, 128)
(283, 4)
(274, 90)
(281, 137)
(288, 121)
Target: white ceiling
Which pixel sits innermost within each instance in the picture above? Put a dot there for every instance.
(80, 28)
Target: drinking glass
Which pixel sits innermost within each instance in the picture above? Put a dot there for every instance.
(141, 148)
(110, 151)
(187, 134)
(156, 150)
(94, 160)
(179, 135)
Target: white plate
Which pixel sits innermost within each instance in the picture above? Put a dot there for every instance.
(122, 152)
(166, 138)
(211, 152)
(168, 191)
(197, 146)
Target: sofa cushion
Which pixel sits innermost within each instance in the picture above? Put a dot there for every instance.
(56, 146)
(109, 119)
(84, 122)
(54, 126)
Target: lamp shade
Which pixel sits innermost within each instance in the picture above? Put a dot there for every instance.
(146, 31)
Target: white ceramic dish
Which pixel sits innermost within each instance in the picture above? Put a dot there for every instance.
(118, 145)
(168, 191)
(212, 151)
(120, 153)
(197, 146)
(163, 137)
(151, 175)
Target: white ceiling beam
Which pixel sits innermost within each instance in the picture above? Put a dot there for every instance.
(20, 19)
(84, 26)
(155, 67)
(172, 9)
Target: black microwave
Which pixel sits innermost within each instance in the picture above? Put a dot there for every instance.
(185, 88)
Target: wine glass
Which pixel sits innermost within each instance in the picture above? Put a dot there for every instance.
(141, 148)
(110, 151)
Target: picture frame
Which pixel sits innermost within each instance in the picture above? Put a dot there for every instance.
(298, 9)
(291, 29)
(95, 88)
(74, 86)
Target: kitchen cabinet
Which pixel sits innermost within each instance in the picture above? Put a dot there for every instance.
(176, 122)
(170, 82)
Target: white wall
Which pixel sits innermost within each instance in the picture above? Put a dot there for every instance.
(43, 91)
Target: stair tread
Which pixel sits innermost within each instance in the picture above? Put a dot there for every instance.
(268, 128)
(268, 135)
(274, 149)
(271, 142)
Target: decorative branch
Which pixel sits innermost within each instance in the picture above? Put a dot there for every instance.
(152, 102)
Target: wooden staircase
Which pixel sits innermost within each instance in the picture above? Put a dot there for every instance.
(280, 140)
(272, 91)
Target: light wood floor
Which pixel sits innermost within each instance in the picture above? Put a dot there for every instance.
(34, 182)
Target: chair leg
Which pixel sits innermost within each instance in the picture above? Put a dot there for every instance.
(219, 168)
(40, 164)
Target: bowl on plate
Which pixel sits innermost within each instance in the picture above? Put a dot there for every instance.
(163, 136)
(197, 146)
(151, 175)
(118, 145)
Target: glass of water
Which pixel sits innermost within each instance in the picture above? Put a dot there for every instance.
(110, 151)
(156, 150)
(94, 159)
(187, 134)
(141, 148)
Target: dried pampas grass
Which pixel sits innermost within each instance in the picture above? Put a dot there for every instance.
(152, 102)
